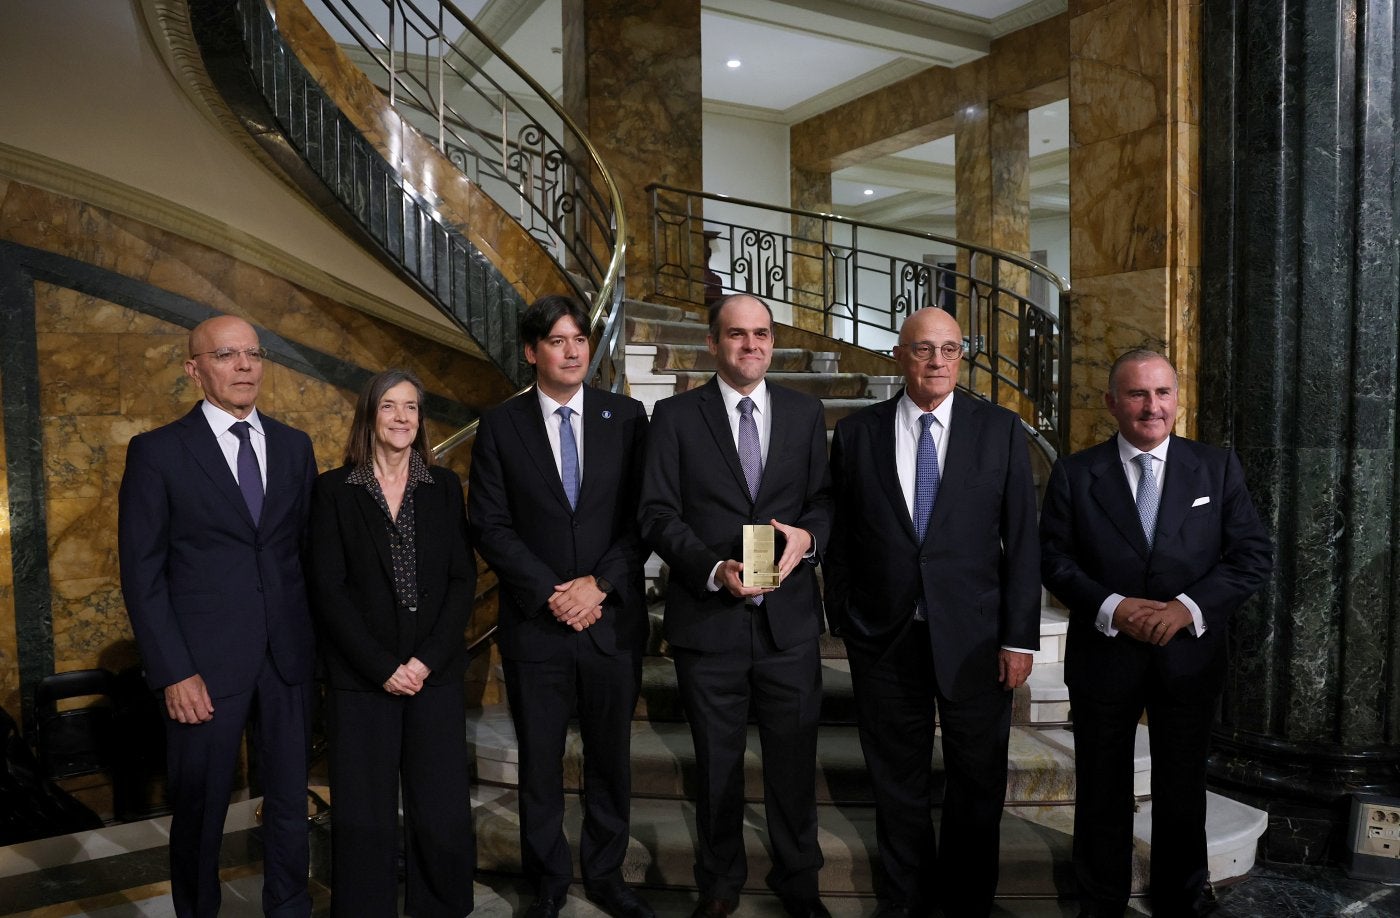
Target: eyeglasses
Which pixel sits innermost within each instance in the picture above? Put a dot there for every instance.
(923, 350)
(226, 354)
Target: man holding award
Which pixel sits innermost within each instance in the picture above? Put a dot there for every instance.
(741, 463)
(933, 581)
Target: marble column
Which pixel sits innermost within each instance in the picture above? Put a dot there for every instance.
(1299, 321)
(1134, 249)
(811, 190)
(632, 84)
(992, 162)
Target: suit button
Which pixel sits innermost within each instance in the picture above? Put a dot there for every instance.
(923, 561)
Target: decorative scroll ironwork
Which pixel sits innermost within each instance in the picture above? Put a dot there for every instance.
(847, 271)
(433, 64)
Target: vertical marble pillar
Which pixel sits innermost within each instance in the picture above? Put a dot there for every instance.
(811, 190)
(1134, 251)
(1300, 322)
(992, 165)
(632, 83)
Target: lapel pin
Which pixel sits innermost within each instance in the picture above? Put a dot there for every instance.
(606, 414)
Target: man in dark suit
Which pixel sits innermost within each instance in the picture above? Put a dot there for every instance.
(552, 503)
(931, 580)
(212, 510)
(738, 451)
(1152, 542)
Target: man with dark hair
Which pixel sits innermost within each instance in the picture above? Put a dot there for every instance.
(1151, 541)
(738, 451)
(552, 503)
(211, 514)
(931, 580)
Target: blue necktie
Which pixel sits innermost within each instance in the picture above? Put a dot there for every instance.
(249, 476)
(568, 456)
(1148, 496)
(926, 477)
(750, 453)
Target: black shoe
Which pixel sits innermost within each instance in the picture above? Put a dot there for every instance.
(893, 910)
(545, 907)
(713, 908)
(620, 901)
(798, 907)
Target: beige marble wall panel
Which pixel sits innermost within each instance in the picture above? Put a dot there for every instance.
(1120, 189)
(632, 84)
(107, 372)
(1025, 66)
(1113, 314)
(1121, 68)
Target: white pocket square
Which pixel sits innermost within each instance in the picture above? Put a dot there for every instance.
(1201, 501)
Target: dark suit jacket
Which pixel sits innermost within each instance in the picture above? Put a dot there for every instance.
(365, 634)
(533, 540)
(208, 592)
(977, 566)
(1209, 544)
(695, 502)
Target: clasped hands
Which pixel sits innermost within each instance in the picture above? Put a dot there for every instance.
(408, 679)
(731, 573)
(1150, 621)
(577, 603)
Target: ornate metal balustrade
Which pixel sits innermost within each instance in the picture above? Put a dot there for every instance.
(861, 280)
(437, 69)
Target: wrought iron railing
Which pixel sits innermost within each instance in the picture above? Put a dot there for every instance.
(520, 146)
(859, 280)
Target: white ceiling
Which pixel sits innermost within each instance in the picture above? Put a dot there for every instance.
(802, 57)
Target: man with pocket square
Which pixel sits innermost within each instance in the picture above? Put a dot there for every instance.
(1151, 541)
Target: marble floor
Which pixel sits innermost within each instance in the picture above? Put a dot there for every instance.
(119, 872)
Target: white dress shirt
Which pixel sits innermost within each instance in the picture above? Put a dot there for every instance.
(763, 420)
(220, 421)
(1127, 455)
(552, 422)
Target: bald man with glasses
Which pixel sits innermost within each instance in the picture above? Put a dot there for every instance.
(932, 579)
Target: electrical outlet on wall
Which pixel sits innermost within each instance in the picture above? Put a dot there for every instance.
(1374, 850)
(1380, 833)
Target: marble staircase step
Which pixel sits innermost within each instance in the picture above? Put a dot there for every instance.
(641, 309)
(1041, 769)
(662, 331)
(821, 385)
(838, 408)
(672, 358)
(1034, 851)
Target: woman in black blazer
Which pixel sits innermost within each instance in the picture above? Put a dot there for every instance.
(392, 581)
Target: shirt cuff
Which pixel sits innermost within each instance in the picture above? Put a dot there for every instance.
(1018, 649)
(1104, 621)
(1198, 621)
(713, 583)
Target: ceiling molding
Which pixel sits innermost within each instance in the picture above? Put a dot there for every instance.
(851, 90)
(125, 200)
(1027, 15)
(932, 40)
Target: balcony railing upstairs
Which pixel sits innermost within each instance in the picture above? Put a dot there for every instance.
(857, 281)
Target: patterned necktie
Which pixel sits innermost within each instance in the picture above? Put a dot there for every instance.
(568, 456)
(1148, 496)
(249, 476)
(926, 476)
(750, 453)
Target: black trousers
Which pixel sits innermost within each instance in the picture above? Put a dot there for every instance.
(543, 694)
(201, 760)
(896, 696)
(1105, 726)
(379, 744)
(783, 689)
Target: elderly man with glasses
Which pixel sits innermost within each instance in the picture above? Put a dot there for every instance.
(932, 579)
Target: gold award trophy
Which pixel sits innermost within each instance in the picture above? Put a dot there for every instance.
(760, 559)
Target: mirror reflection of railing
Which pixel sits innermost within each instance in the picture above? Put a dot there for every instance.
(863, 279)
(514, 141)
